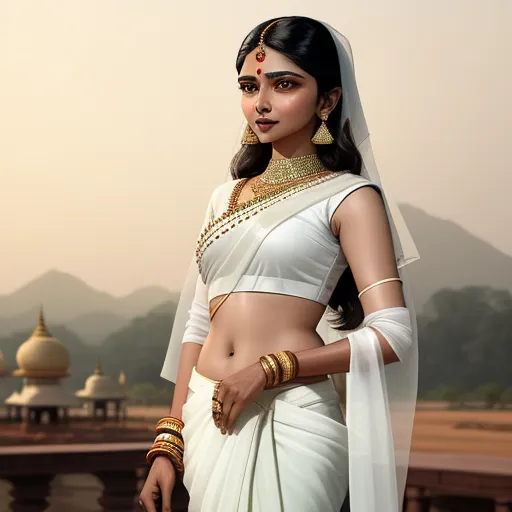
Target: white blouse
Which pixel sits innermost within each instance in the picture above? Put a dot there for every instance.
(301, 257)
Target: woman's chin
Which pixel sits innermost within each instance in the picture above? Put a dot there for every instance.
(269, 137)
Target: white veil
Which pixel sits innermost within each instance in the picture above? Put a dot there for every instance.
(380, 399)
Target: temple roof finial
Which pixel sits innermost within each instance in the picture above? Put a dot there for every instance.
(98, 370)
(41, 329)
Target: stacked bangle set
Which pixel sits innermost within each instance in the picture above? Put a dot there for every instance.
(168, 442)
(280, 367)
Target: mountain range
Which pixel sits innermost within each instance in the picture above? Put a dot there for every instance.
(451, 257)
(68, 300)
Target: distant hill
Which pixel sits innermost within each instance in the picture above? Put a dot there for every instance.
(95, 327)
(451, 257)
(69, 300)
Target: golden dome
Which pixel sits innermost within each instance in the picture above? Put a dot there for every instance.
(42, 355)
(99, 386)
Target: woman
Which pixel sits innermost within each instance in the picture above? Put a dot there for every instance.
(304, 224)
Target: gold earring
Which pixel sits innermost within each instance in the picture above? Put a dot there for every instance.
(249, 136)
(323, 135)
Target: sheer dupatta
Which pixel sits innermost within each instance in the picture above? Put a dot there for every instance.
(380, 399)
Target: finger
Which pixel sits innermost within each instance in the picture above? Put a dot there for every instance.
(146, 504)
(233, 415)
(226, 409)
(166, 497)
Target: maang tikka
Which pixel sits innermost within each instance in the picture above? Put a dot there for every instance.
(249, 136)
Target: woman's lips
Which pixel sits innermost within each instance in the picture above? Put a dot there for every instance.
(265, 127)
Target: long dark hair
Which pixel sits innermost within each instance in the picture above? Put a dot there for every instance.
(310, 46)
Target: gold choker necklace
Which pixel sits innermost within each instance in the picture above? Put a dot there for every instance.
(284, 173)
(288, 169)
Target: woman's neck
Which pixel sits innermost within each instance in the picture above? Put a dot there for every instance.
(302, 150)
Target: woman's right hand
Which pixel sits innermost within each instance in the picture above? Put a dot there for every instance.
(159, 485)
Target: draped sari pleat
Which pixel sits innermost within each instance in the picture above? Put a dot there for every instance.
(288, 452)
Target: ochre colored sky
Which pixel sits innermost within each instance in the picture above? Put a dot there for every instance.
(111, 138)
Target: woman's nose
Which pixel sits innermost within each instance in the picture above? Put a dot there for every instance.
(263, 103)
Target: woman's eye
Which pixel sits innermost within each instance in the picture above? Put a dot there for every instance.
(289, 82)
(243, 87)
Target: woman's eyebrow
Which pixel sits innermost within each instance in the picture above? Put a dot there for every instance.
(270, 75)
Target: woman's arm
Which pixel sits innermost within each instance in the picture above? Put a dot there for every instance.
(365, 238)
(188, 359)
(196, 331)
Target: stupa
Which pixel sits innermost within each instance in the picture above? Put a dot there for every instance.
(42, 362)
(100, 392)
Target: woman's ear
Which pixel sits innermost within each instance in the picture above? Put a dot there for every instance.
(329, 101)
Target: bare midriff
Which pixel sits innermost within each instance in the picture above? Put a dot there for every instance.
(248, 325)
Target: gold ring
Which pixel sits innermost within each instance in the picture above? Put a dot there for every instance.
(216, 405)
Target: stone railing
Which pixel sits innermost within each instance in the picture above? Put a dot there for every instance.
(120, 467)
(459, 483)
(436, 482)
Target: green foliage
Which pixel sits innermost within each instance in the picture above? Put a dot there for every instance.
(506, 397)
(146, 393)
(445, 393)
(465, 340)
(139, 349)
(491, 394)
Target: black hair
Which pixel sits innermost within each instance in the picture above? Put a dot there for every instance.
(309, 44)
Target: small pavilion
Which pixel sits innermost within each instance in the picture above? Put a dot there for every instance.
(101, 393)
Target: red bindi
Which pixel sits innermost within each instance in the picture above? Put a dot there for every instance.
(258, 71)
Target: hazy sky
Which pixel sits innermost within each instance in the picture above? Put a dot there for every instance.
(117, 118)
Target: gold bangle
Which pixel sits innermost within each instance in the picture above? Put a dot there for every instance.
(166, 427)
(279, 370)
(269, 373)
(176, 441)
(168, 423)
(171, 419)
(271, 363)
(168, 435)
(290, 363)
(285, 364)
(175, 458)
(169, 450)
(274, 363)
(295, 363)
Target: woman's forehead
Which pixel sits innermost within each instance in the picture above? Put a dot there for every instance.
(274, 61)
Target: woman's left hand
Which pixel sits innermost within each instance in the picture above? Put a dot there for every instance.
(237, 391)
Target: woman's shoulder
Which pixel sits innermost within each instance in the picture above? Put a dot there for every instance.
(221, 193)
(348, 183)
